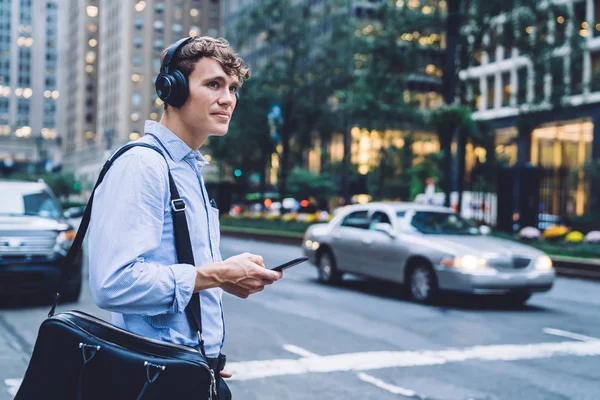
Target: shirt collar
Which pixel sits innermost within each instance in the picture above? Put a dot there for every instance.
(175, 147)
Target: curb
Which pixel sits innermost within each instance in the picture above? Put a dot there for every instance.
(248, 233)
(574, 267)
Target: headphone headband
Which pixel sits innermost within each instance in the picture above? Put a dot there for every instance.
(172, 50)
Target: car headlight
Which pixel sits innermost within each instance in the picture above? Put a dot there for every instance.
(543, 263)
(467, 262)
(65, 239)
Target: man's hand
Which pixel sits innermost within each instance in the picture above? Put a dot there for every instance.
(226, 374)
(246, 274)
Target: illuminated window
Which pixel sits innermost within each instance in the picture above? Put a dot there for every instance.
(506, 89)
(475, 93)
(158, 26)
(92, 11)
(90, 57)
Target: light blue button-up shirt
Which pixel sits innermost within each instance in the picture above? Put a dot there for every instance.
(133, 265)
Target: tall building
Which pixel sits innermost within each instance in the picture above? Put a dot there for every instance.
(28, 82)
(78, 80)
(130, 39)
(503, 82)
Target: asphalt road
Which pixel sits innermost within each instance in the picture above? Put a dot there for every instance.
(299, 339)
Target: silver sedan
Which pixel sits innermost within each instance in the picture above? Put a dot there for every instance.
(428, 248)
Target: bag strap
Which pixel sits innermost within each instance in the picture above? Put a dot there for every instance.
(183, 244)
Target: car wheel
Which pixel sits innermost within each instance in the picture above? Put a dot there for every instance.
(328, 272)
(422, 284)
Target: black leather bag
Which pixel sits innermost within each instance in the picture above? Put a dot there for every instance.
(79, 357)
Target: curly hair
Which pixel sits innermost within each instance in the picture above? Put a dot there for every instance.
(218, 49)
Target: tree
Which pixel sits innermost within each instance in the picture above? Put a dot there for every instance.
(62, 184)
(450, 122)
(248, 144)
(390, 53)
(304, 184)
(299, 71)
(390, 56)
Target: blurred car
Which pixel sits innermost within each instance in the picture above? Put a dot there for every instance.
(428, 248)
(34, 240)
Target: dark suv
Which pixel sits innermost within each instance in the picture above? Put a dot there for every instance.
(34, 240)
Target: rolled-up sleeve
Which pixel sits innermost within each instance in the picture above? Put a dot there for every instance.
(126, 226)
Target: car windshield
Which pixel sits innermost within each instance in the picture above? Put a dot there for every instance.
(442, 224)
(39, 203)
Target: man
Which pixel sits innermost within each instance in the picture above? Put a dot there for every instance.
(133, 265)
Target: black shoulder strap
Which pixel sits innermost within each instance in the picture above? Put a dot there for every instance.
(183, 245)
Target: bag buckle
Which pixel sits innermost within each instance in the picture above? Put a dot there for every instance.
(178, 205)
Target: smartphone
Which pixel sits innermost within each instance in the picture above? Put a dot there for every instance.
(290, 264)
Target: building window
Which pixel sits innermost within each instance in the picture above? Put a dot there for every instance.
(576, 74)
(158, 26)
(560, 29)
(475, 94)
(136, 99)
(595, 71)
(596, 28)
(539, 85)
(558, 77)
(491, 48)
(581, 27)
(490, 92)
(522, 83)
(506, 89)
(158, 44)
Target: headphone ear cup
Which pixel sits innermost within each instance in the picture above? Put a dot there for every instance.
(180, 90)
(164, 86)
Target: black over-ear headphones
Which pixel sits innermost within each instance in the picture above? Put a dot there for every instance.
(171, 85)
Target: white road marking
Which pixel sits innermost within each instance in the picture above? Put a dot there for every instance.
(299, 350)
(386, 386)
(576, 336)
(390, 359)
(361, 375)
(13, 385)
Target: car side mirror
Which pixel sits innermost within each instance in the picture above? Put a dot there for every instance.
(74, 212)
(385, 228)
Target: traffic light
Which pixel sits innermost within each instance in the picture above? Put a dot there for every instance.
(237, 173)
